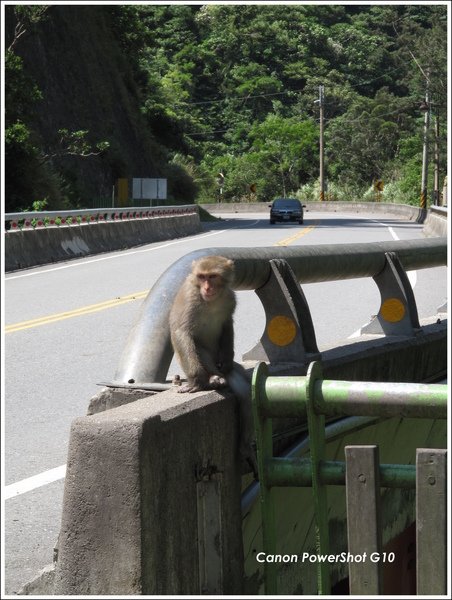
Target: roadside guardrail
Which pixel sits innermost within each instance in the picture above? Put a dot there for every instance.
(69, 218)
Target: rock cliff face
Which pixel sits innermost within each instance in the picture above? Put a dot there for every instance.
(86, 83)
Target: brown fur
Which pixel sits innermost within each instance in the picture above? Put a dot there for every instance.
(201, 325)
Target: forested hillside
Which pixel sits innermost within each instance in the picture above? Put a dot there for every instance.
(94, 93)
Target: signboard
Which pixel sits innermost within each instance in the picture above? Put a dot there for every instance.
(122, 186)
(144, 188)
(379, 185)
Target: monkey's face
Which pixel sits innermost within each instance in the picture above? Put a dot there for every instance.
(210, 285)
(211, 275)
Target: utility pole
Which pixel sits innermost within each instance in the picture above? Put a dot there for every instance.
(322, 164)
(426, 107)
(436, 161)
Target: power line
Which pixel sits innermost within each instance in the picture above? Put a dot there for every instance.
(343, 122)
(240, 98)
(297, 91)
(357, 119)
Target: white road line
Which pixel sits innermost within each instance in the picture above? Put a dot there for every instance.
(31, 483)
(122, 254)
(36, 481)
(393, 233)
(412, 275)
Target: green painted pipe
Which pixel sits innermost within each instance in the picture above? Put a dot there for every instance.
(286, 397)
(287, 472)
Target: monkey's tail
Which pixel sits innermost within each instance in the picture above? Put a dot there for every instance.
(240, 383)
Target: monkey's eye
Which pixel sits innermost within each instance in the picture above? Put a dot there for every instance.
(207, 276)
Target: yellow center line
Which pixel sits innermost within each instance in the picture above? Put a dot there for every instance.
(78, 312)
(296, 236)
(85, 310)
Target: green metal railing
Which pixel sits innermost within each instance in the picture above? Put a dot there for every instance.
(315, 398)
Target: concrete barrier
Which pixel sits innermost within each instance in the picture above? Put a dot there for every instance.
(405, 210)
(437, 223)
(152, 500)
(435, 220)
(32, 247)
(152, 492)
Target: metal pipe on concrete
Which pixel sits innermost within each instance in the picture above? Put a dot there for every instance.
(148, 353)
(288, 472)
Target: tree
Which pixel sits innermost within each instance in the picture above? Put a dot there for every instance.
(287, 149)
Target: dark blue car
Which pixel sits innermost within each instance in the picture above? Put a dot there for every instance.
(286, 209)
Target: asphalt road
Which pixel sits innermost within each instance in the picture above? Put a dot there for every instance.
(66, 326)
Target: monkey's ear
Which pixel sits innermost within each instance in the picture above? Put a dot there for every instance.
(230, 264)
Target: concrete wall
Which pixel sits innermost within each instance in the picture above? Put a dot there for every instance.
(33, 247)
(435, 221)
(409, 212)
(152, 500)
(28, 248)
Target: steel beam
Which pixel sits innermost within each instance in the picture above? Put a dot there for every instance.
(147, 354)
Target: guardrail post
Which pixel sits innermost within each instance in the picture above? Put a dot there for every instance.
(363, 519)
(398, 312)
(289, 334)
(431, 522)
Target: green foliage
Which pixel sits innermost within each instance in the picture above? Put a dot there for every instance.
(39, 205)
(75, 143)
(232, 89)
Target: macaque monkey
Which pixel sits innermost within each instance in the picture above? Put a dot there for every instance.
(201, 324)
(202, 334)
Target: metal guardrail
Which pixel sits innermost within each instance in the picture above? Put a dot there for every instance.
(441, 211)
(148, 353)
(67, 218)
(316, 398)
